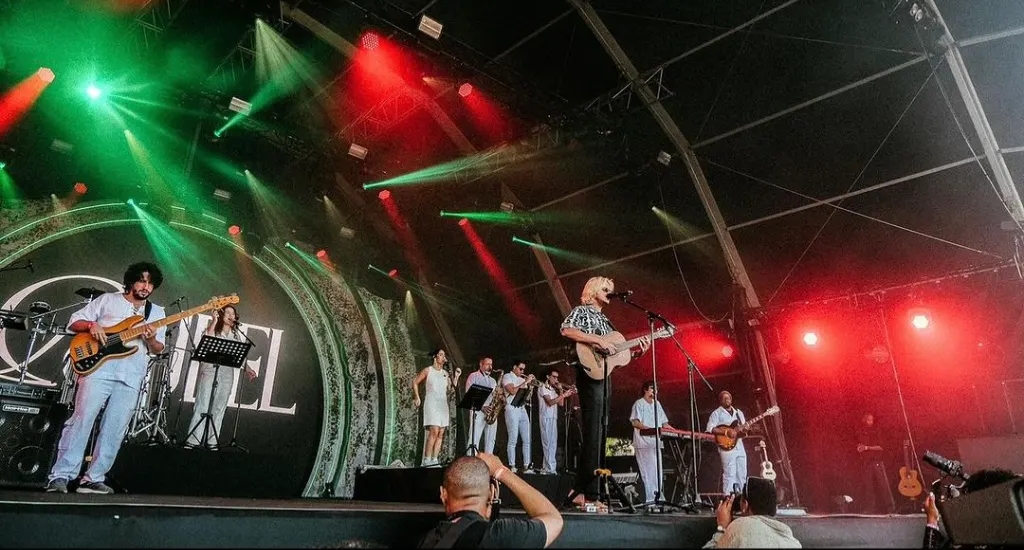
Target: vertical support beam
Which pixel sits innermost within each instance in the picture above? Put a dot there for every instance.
(976, 111)
(543, 259)
(735, 264)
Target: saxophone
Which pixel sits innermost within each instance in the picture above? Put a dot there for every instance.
(497, 405)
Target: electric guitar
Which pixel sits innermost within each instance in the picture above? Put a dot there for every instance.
(87, 354)
(767, 468)
(593, 359)
(730, 432)
(909, 485)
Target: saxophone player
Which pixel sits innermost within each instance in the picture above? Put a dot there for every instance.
(516, 418)
(482, 376)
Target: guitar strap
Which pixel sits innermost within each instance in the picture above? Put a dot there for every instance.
(149, 309)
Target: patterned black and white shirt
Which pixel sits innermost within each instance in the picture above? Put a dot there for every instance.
(589, 320)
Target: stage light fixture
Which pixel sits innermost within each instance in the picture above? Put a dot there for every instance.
(811, 338)
(222, 194)
(62, 147)
(430, 27)
(464, 222)
(240, 106)
(384, 195)
(727, 351)
(357, 151)
(920, 318)
(465, 89)
(347, 232)
(506, 207)
(44, 74)
(321, 254)
(81, 188)
(393, 273)
(234, 230)
(370, 41)
(93, 91)
(664, 158)
(3, 165)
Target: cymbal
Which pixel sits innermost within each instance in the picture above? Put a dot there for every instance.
(89, 293)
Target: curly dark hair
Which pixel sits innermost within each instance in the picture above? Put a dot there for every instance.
(134, 273)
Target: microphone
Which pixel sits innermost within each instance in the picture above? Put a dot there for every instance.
(31, 267)
(620, 295)
(178, 301)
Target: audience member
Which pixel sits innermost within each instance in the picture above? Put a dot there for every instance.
(756, 528)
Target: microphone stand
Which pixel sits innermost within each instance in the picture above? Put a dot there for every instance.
(238, 400)
(190, 347)
(691, 366)
(652, 317)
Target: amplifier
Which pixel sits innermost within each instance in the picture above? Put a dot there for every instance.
(28, 391)
(30, 427)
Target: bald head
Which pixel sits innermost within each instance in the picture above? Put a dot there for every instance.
(467, 482)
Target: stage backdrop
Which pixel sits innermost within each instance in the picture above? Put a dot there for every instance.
(334, 362)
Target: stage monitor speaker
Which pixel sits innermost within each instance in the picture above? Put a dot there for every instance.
(992, 516)
(30, 428)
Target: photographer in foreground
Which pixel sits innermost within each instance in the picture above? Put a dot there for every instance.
(469, 491)
(755, 528)
(982, 479)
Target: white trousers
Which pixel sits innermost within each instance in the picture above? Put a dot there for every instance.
(549, 440)
(734, 468)
(518, 424)
(647, 461)
(204, 385)
(488, 431)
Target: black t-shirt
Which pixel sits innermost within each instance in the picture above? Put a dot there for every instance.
(869, 437)
(502, 533)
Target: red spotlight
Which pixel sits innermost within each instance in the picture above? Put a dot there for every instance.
(463, 222)
(727, 351)
(44, 74)
(384, 195)
(321, 254)
(80, 188)
(920, 319)
(234, 230)
(370, 41)
(393, 273)
(465, 89)
(811, 338)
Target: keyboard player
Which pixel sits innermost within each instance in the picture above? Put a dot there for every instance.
(648, 447)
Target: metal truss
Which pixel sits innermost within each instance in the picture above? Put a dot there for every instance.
(621, 99)
(239, 61)
(382, 117)
(149, 25)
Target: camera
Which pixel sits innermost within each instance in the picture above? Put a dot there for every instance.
(737, 501)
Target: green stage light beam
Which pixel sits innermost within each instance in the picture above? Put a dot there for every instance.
(273, 209)
(312, 261)
(577, 257)
(175, 254)
(468, 166)
(9, 192)
(501, 217)
(678, 230)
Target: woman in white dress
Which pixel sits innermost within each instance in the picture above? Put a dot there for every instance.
(223, 324)
(436, 415)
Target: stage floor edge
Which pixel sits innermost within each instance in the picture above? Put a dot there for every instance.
(34, 519)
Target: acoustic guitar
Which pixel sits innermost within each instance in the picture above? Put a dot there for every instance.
(593, 358)
(87, 354)
(909, 485)
(767, 468)
(729, 433)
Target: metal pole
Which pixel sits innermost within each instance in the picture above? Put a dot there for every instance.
(735, 264)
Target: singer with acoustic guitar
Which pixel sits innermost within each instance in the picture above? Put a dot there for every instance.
(114, 384)
(588, 325)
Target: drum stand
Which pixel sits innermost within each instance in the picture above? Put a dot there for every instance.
(151, 418)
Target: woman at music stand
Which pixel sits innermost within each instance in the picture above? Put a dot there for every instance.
(223, 324)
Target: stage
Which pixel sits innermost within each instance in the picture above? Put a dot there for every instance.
(37, 519)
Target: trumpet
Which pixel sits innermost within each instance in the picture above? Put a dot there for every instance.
(562, 388)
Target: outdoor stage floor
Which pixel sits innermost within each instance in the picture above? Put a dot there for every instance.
(37, 519)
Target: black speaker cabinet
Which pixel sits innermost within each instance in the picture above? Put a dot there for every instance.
(30, 428)
(992, 516)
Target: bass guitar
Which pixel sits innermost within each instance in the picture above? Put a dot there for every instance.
(88, 354)
(909, 485)
(729, 433)
(767, 468)
(593, 359)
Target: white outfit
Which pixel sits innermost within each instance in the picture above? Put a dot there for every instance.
(114, 385)
(479, 423)
(517, 422)
(734, 462)
(204, 386)
(435, 400)
(648, 447)
(548, 426)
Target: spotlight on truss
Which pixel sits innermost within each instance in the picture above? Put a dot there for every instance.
(239, 106)
(61, 146)
(664, 157)
(506, 206)
(465, 89)
(357, 151)
(348, 232)
(222, 194)
(430, 27)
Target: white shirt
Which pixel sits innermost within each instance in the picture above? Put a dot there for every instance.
(511, 378)
(547, 411)
(644, 412)
(108, 310)
(721, 416)
(481, 379)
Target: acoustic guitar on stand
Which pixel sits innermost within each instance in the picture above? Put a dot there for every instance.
(88, 354)
(767, 468)
(593, 358)
(909, 486)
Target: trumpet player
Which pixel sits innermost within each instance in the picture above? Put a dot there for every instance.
(482, 376)
(516, 418)
(552, 395)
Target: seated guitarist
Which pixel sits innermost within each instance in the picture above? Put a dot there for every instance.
(734, 461)
(586, 323)
(115, 384)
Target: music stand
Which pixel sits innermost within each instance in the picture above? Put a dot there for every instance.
(220, 352)
(474, 400)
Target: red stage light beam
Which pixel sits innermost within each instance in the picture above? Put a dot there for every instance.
(502, 281)
(19, 99)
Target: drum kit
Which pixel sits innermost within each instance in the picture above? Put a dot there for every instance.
(149, 421)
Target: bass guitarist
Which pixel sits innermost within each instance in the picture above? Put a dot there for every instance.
(588, 324)
(734, 461)
(114, 385)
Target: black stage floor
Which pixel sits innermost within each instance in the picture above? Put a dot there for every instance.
(37, 519)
